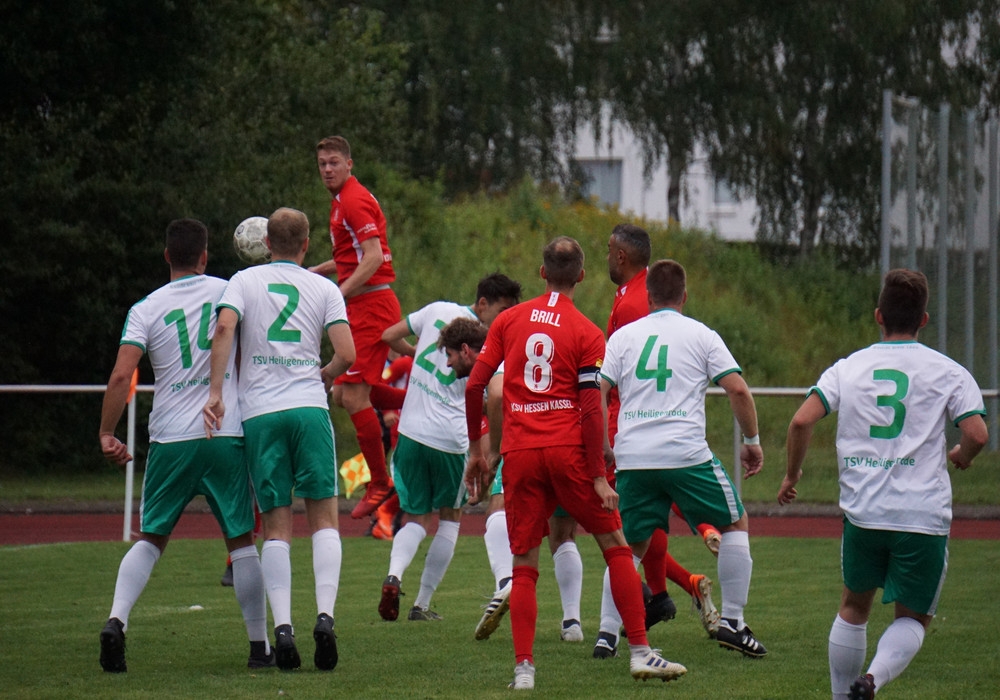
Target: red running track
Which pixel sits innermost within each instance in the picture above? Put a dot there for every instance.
(43, 528)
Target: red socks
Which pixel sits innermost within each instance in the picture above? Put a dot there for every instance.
(524, 611)
(627, 593)
(369, 432)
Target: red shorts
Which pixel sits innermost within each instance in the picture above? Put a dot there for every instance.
(369, 315)
(536, 480)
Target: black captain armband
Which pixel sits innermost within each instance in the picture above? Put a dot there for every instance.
(589, 378)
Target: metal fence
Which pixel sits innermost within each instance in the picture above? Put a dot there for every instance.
(148, 388)
(940, 194)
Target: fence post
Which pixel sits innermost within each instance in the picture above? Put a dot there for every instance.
(130, 467)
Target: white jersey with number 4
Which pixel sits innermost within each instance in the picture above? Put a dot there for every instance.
(893, 399)
(174, 325)
(662, 365)
(433, 412)
(284, 311)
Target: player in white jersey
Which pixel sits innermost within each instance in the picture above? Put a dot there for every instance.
(174, 325)
(429, 458)
(281, 311)
(662, 365)
(893, 399)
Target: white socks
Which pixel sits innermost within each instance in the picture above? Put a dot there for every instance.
(896, 648)
(569, 576)
(327, 553)
(498, 546)
(438, 558)
(846, 650)
(133, 573)
(404, 548)
(248, 584)
(735, 567)
(276, 566)
(611, 621)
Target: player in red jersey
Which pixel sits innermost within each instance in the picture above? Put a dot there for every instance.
(363, 264)
(552, 418)
(629, 251)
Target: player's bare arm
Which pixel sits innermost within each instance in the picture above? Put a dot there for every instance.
(222, 343)
(395, 336)
(344, 353)
(609, 454)
(745, 411)
(608, 496)
(799, 434)
(972, 441)
(325, 268)
(371, 260)
(115, 398)
(476, 466)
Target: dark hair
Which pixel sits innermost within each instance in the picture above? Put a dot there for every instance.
(563, 261)
(286, 230)
(666, 282)
(462, 330)
(903, 301)
(635, 242)
(497, 286)
(335, 143)
(187, 239)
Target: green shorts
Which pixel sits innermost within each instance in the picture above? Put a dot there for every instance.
(703, 493)
(291, 451)
(176, 472)
(427, 479)
(909, 567)
(497, 487)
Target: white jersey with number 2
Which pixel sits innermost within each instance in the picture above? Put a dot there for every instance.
(284, 310)
(893, 399)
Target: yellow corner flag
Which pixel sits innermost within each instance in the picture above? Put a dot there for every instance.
(355, 473)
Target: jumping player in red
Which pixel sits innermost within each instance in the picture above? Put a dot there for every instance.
(363, 264)
(552, 355)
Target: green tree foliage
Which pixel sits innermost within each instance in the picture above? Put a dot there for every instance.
(794, 107)
(485, 89)
(786, 96)
(114, 121)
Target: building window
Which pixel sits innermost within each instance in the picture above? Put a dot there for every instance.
(601, 179)
(724, 194)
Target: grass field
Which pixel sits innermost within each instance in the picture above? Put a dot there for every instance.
(56, 599)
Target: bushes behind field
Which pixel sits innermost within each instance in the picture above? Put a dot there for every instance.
(784, 321)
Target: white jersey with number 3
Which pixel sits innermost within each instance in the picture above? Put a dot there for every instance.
(893, 399)
(174, 325)
(284, 310)
(433, 412)
(662, 365)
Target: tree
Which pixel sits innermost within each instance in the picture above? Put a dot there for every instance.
(113, 122)
(485, 89)
(794, 120)
(646, 67)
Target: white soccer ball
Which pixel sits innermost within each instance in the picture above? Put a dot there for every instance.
(249, 240)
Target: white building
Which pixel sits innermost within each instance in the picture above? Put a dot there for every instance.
(614, 166)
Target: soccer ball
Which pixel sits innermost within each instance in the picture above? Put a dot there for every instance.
(248, 240)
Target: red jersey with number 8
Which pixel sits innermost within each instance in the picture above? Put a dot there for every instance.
(549, 348)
